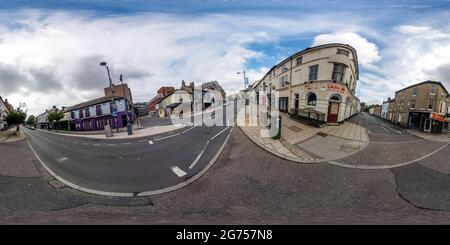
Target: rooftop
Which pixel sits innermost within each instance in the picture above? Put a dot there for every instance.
(93, 102)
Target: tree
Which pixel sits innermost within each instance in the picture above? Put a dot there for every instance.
(16, 117)
(55, 116)
(31, 120)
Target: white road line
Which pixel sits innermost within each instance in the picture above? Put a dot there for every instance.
(167, 137)
(185, 131)
(127, 143)
(140, 141)
(384, 129)
(219, 133)
(111, 144)
(97, 144)
(180, 173)
(199, 155)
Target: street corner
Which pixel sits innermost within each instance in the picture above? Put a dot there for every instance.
(305, 144)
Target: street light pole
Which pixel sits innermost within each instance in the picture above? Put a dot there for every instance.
(112, 90)
(129, 126)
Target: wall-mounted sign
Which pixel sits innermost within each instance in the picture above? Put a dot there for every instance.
(337, 88)
(438, 117)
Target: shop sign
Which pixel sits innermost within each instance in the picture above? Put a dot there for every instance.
(337, 88)
(438, 117)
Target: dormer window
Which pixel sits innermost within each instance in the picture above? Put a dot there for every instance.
(343, 52)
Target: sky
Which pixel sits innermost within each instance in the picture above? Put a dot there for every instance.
(50, 50)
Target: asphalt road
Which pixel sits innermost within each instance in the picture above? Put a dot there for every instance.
(129, 166)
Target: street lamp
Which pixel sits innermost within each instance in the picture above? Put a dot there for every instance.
(112, 90)
(129, 127)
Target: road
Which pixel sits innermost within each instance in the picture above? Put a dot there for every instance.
(129, 166)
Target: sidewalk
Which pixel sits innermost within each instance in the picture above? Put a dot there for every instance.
(124, 135)
(444, 137)
(8, 135)
(304, 144)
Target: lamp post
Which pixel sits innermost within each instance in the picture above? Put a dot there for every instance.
(111, 87)
(129, 127)
(245, 78)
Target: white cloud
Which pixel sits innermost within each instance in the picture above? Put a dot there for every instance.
(367, 51)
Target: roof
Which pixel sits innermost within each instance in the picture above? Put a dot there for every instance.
(93, 102)
(425, 82)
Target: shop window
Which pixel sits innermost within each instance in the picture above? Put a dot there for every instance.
(338, 72)
(312, 99)
(313, 71)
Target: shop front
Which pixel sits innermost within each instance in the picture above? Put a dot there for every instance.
(428, 122)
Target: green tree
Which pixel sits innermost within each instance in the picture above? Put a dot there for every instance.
(16, 118)
(55, 116)
(31, 120)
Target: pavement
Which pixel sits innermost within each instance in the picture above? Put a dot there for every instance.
(305, 144)
(9, 135)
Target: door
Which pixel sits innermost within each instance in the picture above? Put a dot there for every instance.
(427, 127)
(333, 112)
(297, 98)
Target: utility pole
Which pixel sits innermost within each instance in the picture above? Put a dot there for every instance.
(129, 126)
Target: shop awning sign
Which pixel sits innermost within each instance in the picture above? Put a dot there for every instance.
(337, 88)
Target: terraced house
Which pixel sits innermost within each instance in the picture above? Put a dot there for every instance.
(317, 83)
(422, 106)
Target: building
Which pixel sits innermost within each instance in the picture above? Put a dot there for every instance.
(170, 102)
(5, 108)
(317, 83)
(385, 114)
(214, 86)
(375, 110)
(141, 109)
(95, 114)
(118, 91)
(422, 106)
(162, 92)
(391, 110)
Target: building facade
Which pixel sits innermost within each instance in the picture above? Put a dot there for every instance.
(141, 109)
(4, 110)
(96, 114)
(317, 83)
(385, 109)
(422, 106)
(161, 93)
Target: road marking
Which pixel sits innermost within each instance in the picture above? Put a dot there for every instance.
(219, 133)
(199, 155)
(150, 142)
(140, 141)
(127, 143)
(185, 131)
(167, 137)
(111, 144)
(61, 159)
(97, 144)
(85, 144)
(178, 171)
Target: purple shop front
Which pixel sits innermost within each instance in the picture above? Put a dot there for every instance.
(99, 122)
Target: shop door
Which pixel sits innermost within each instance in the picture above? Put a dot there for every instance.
(427, 126)
(333, 112)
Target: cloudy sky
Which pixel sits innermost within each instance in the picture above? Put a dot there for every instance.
(50, 50)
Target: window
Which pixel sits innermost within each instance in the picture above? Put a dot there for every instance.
(413, 104)
(312, 99)
(338, 72)
(430, 104)
(87, 113)
(72, 115)
(299, 60)
(283, 104)
(113, 107)
(313, 70)
(414, 93)
(401, 105)
(442, 107)
(343, 52)
(433, 89)
(283, 81)
(80, 113)
(98, 110)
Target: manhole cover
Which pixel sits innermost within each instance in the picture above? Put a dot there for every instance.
(322, 134)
